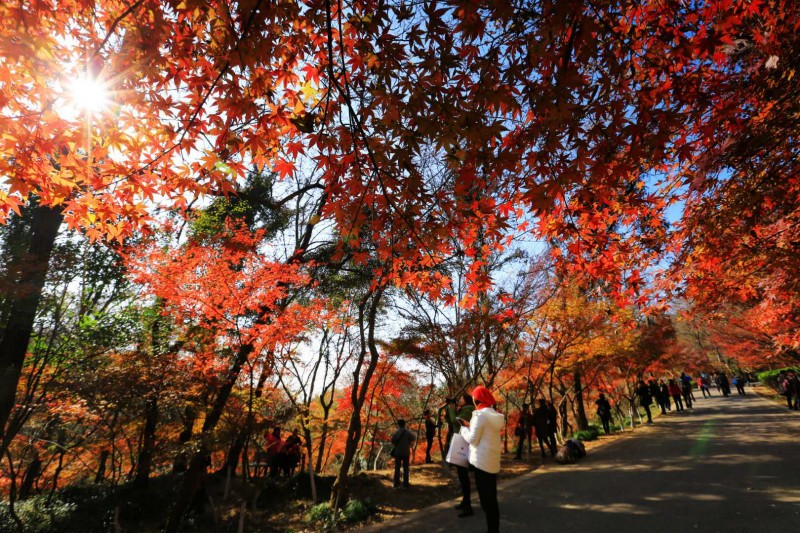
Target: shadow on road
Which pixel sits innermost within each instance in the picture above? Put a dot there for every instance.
(731, 464)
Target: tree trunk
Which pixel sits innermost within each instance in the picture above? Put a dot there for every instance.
(321, 450)
(194, 478)
(31, 475)
(181, 460)
(309, 449)
(583, 423)
(24, 296)
(145, 461)
(101, 469)
(341, 487)
(242, 436)
(562, 413)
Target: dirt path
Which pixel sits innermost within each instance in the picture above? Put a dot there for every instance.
(732, 464)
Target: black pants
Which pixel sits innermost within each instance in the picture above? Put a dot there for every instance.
(545, 437)
(678, 402)
(428, 448)
(687, 398)
(397, 462)
(463, 480)
(606, 425)
(663, 404)
(487, 491)
(647, 410)
(520, 444)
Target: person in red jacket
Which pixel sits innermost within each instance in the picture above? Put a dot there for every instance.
(524, 430)
(675, 392)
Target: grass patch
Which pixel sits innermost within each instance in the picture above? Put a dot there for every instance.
(591, 433)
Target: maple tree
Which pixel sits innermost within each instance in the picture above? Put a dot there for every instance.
(410, 143)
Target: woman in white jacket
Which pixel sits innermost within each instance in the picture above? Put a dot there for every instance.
(482, 433)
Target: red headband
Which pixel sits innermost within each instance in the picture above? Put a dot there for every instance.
(481, 394)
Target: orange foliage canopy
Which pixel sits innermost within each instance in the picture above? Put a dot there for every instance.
(569, 110)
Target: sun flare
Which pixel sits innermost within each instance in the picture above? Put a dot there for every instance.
(89, 94)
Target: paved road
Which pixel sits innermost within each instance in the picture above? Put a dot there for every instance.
(731, 465)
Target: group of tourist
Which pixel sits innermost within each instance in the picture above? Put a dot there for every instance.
(281, 457)
(474, 419)
(678, 392)
(542, 422)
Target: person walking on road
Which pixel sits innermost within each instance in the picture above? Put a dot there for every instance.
(686, 384)
(482, 433)
(604, 412)
(430, 434)
(462, 412)
(785, 386)
(724, 384)
(655, 393)
(708, 380)
(645, 399)
(793, 390)
(675, 392)
(702, 385)
(540, 423)
(664, 395)
(402, 440)
(524, 430)
(686, 390)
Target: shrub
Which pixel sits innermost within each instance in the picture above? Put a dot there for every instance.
(770, 377)
(320, 513)
(357, 510)
(592, 433)
(37, 515)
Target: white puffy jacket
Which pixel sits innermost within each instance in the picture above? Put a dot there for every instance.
(483, 436)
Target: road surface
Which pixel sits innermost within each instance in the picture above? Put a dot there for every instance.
(732, 464)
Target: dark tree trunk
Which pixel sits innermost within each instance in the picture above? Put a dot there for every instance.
(182, 459)
(29, 479)
(321, 450)
(583, 423)
(196, 473)
(235, 451)
(101, 469)
(341, 487)
(23, 297)
(563, 414)
(145, 461)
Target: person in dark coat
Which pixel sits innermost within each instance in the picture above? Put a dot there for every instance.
(430, 434)
(785, 386)
(686, 384)
(686, 391)
(402, 439)
(552, 425)
(463, 411)
(524, 430)
(643, 393)
(793, 390)
(604, 412)
(664, 395)
(540, 424)
(655, 393)
(724, 384)
(291, 453)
